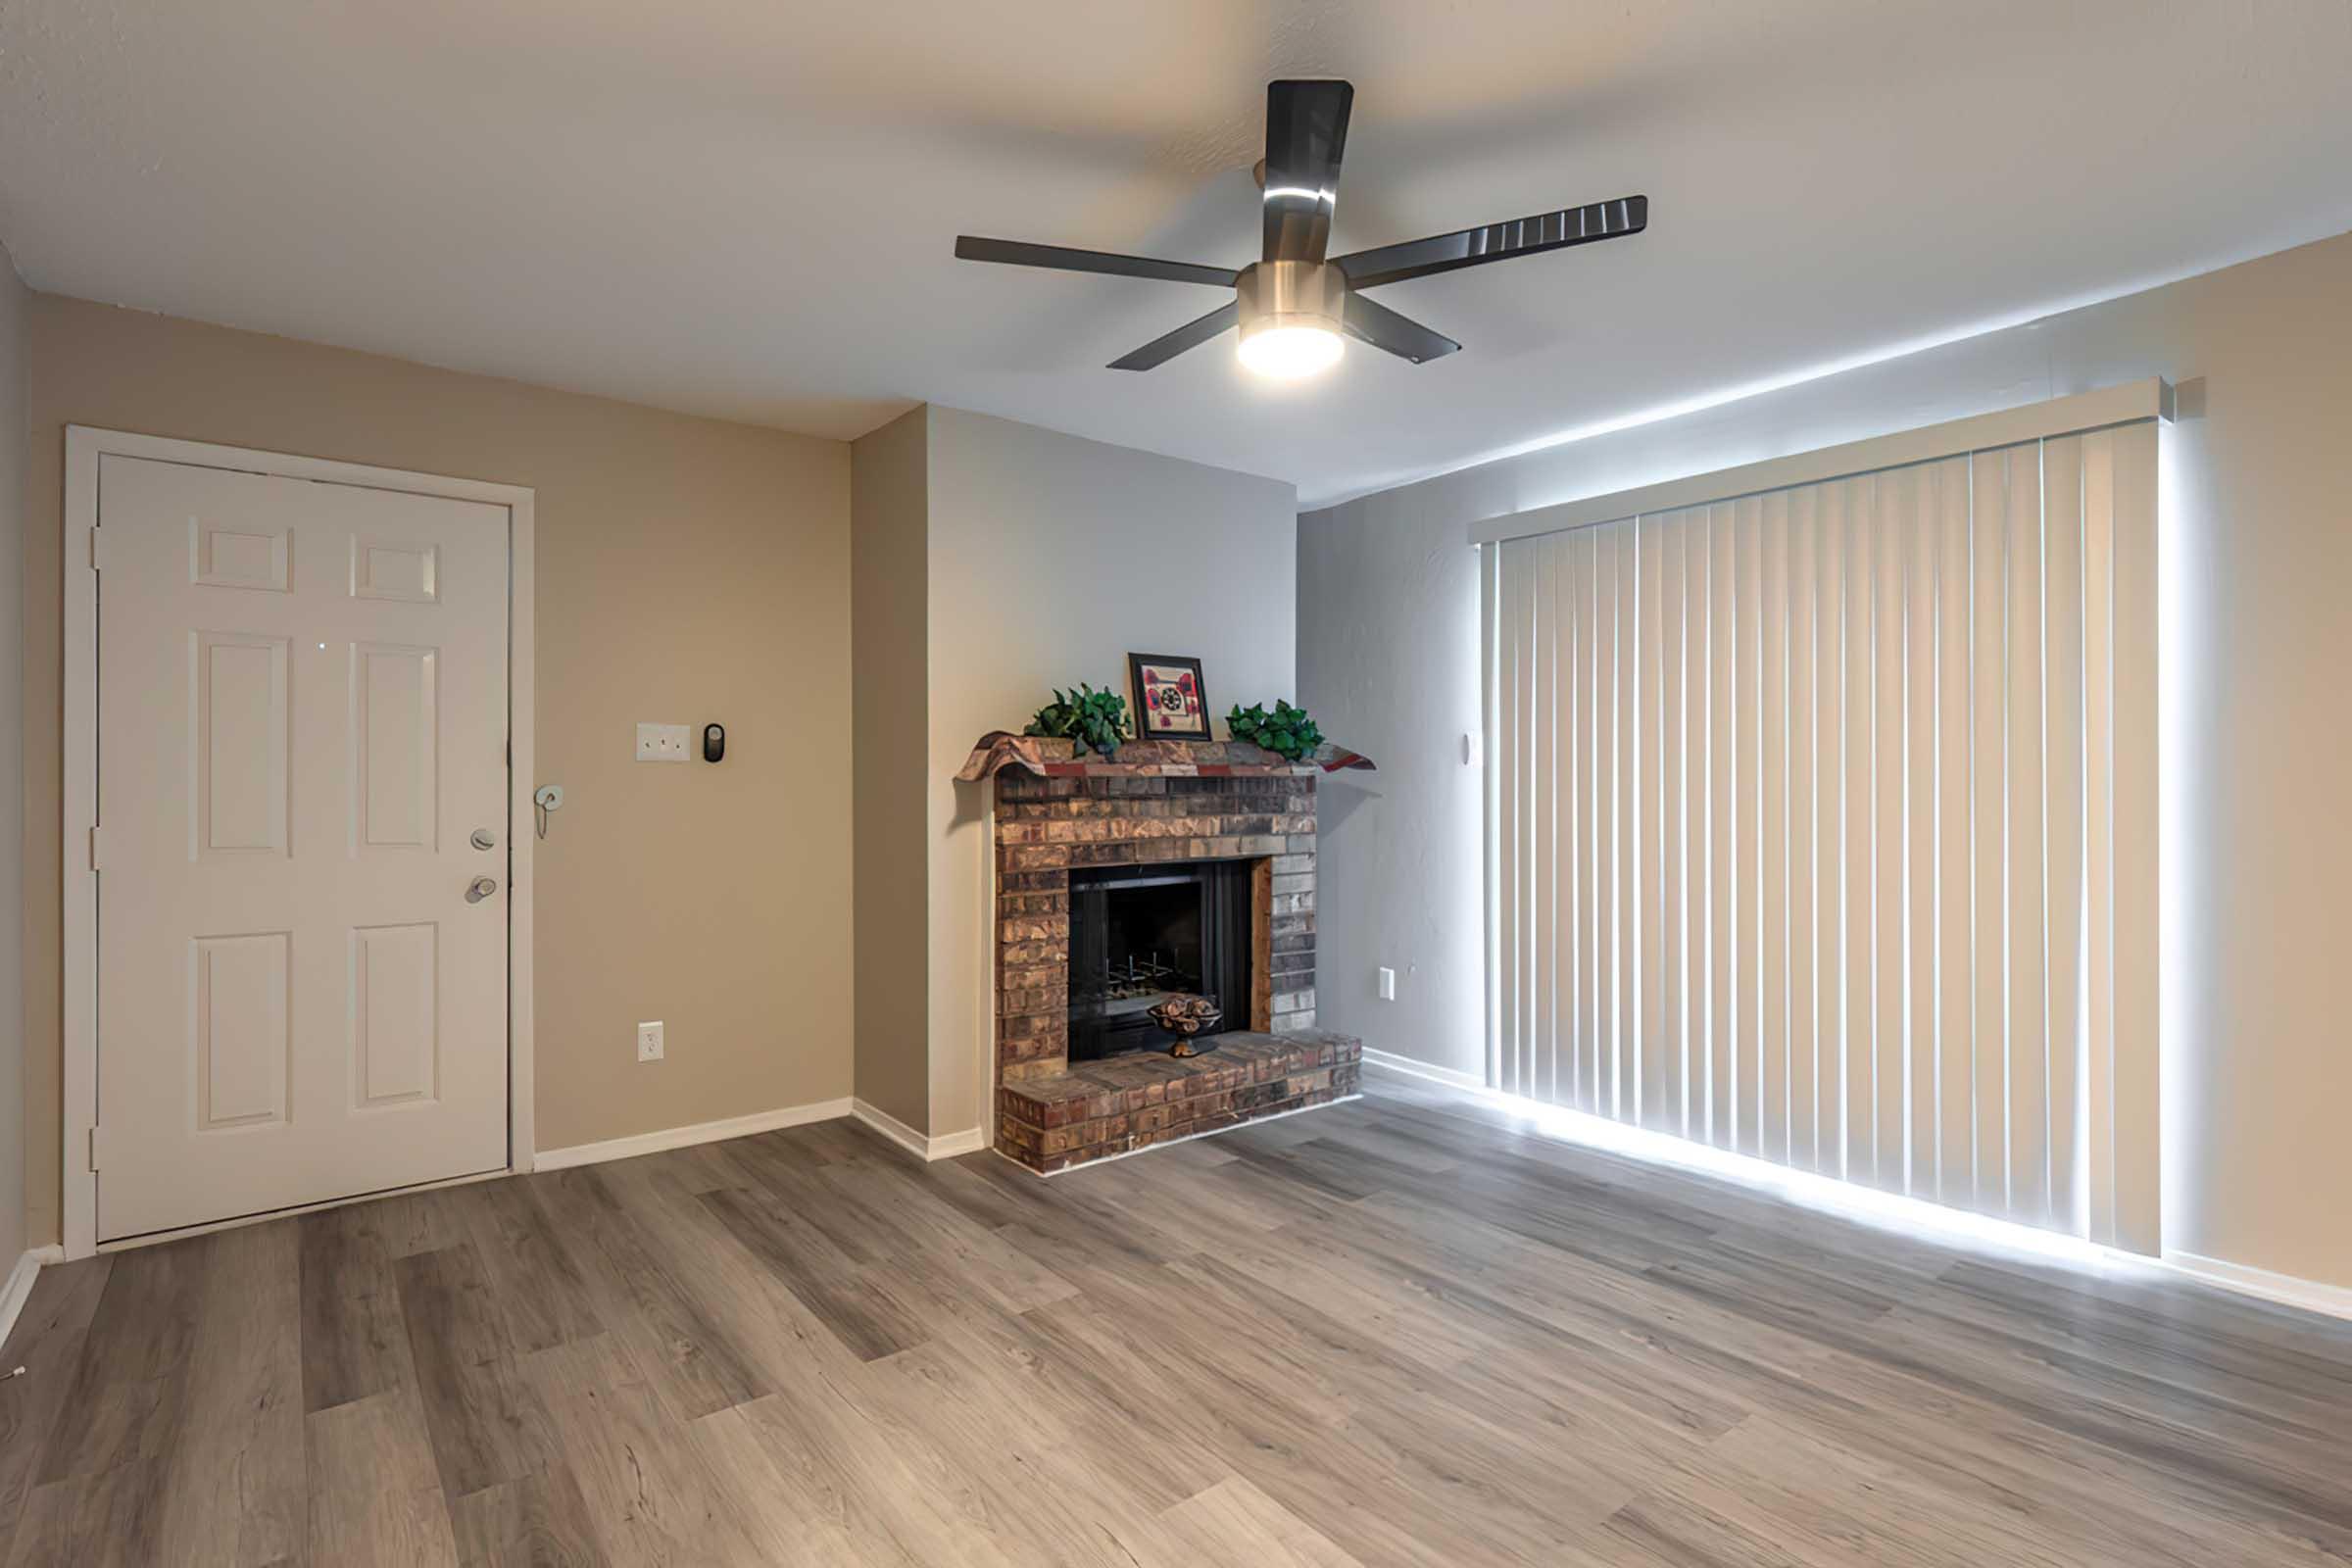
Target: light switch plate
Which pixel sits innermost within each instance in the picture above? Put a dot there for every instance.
(662, 743)
(1387, 984)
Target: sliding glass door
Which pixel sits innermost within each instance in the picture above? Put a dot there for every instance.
(1822, 826)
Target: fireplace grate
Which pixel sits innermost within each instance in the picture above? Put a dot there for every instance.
(1142, 936)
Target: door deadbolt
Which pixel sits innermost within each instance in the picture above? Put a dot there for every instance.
(484, 839)
(479, 889)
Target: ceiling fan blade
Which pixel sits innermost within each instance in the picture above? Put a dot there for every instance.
(1306, 129)
(1191, 335)
(1496, 242)
(1400, 335)
(1020, 253)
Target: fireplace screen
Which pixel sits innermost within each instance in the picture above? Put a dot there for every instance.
(1140, 935)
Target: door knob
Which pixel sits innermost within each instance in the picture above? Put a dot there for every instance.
(479, 889)
(483, 839)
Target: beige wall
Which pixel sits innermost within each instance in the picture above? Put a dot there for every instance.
(16, 302)
(2256, 650)
(688, 570)
(1052, 558)
(889, 580)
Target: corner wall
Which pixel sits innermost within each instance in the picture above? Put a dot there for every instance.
(1387, 642)
(16, 304)
(890, 686)
(2256, 642)
(688, 570)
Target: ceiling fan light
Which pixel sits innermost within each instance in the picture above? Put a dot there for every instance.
(1287, 353)
(1290, 318)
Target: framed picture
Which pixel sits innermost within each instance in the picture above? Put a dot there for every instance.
(1170, 704)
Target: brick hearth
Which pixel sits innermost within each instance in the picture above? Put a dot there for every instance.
(1113, 1106)
(1159, 801)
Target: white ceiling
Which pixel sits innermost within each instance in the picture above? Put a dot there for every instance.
(747, 209)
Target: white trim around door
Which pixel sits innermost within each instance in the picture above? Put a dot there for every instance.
(85, 447)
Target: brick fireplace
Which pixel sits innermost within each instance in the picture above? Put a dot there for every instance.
(1161, 813)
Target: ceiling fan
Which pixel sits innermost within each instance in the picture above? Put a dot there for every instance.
(1294, 305)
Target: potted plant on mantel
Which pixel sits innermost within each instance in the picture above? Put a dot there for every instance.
(1094, 720)
(1287, 732)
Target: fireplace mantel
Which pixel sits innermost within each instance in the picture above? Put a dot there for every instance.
(1000, 749)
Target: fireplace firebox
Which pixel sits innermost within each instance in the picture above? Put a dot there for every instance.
(1142, 934)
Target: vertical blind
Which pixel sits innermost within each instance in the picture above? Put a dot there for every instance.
(1821, 827)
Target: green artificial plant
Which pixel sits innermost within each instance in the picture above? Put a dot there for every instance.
(1095, 721)
(1287, 731)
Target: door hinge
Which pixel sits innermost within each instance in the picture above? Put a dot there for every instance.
(93, 1148)
(97, 853)
(97, 548)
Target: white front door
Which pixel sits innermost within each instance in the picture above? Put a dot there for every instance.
(302, 725)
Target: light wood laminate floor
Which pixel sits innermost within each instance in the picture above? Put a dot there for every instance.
(1404, 1330)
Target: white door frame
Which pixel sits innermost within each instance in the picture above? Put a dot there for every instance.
(84, 446)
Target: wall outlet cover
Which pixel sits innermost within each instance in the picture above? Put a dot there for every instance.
(1387, 984)
(649, 1041)
(662, 742)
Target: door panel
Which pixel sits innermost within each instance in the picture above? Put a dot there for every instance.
(240, 1032)
(238, 751)
(395, 985)
(393, 728)
(302, 719)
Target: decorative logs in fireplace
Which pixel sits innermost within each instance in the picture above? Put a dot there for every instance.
(1183, 1019)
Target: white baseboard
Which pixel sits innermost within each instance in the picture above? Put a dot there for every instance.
(19, 1289)
(2336, 1300)
(1422, 1069)
(705, 1131)
(946, 1146)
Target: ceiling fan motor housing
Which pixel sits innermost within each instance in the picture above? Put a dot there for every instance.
(1280, 294)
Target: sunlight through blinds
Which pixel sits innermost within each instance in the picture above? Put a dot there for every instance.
(1822, 826)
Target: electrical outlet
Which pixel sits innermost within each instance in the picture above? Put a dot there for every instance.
(662, 743)
(649, 1041)
(1388, 985)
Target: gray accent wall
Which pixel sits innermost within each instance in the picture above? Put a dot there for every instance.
(2257, 646)
(993, 562)
(1052, 558)
(1388, 663)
